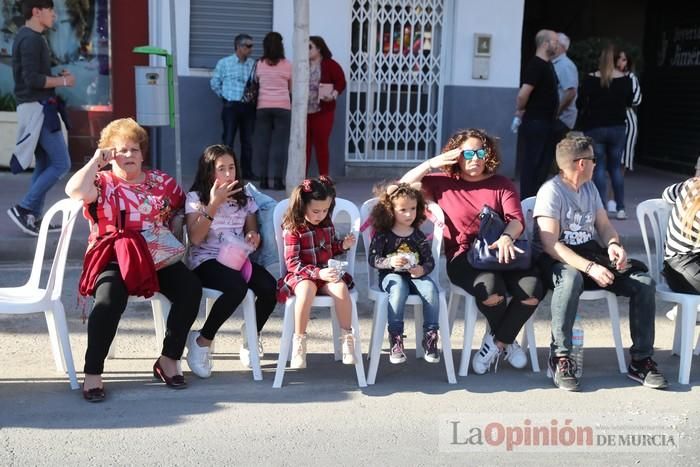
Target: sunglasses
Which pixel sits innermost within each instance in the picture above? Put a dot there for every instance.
(469, 154)
(592, 159)
(248, 46)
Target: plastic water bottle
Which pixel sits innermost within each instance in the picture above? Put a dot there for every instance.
(577, 347)
(516, 123)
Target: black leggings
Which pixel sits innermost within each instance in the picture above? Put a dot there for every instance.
(215, 275)
(682, 273)
(177, 283)
(505, 319)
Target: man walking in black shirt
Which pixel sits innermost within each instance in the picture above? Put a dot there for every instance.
(537, 104)
(39, 126)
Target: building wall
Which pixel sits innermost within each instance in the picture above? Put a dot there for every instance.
(468, 102)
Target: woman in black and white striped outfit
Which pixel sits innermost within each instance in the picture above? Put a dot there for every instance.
(682, 252)
(624, 63)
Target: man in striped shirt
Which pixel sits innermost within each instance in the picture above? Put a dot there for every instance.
(227, 82)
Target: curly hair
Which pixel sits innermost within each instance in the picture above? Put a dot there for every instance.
(126, 129)
(493, 155)
(382, 215)
(206, 174)
(318, 189)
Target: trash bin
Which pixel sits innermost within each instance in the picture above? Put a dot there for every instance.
(152, 101)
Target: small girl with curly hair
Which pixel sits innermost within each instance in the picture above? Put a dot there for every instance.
(402, 254)
(309, 243)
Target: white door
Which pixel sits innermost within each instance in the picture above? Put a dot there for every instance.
(394, 111)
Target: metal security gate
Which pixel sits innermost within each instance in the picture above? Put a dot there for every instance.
(394, 111)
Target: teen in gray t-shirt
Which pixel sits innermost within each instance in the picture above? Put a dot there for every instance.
(575, 211)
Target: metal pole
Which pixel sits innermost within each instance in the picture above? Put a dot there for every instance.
(176, 100)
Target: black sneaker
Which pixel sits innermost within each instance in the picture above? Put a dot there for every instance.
(24, 219)
(53, 228)
(563, 372)
(430, 342)
(396, 354)
(645, 372)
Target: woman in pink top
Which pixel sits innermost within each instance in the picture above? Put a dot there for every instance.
(274, 114)
(468, 182)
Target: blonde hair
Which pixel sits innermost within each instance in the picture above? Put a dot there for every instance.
(123, 128)
(606, 65)
(691, 206)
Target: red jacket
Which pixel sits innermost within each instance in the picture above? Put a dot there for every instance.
(332, 73)
(129, 249)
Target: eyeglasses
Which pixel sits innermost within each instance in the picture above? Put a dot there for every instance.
(248, 46)
(469, 154)
(592, 159)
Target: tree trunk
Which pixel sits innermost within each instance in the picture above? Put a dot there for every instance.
(296, 165)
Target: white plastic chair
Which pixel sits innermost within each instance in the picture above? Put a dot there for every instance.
(657, 213)
(341, 205)
(528, 206)
(251, 327)
(31, 298)
(528, 341)
(381, 299)
(161, 309)
(249, 317)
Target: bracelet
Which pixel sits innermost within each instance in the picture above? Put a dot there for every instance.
(64, 82)
(506, 234)
(206, 216)
(589, 267)
(615, 242)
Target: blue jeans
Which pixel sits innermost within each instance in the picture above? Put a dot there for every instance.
(52, 163)
(568, 285)
(537, 140)
(608, 146)
(399, 286)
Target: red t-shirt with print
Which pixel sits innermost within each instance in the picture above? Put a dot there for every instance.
(146, 205)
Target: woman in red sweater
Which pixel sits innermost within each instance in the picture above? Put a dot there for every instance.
(326, 83)
(468, 182)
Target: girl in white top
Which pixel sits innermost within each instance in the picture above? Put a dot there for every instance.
(218, 213)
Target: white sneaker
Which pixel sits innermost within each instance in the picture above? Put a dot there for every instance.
(298, 352)
(612, 206)
(486, 356)
(198, 358)
(621, 215)
(244, 353)
(515, 355)
(347, 341)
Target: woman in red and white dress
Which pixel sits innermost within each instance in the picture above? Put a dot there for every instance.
(142, 199)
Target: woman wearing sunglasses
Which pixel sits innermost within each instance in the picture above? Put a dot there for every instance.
(467, 182)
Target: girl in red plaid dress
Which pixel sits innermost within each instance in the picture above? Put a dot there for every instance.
(309, 242)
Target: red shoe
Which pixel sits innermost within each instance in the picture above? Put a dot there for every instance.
(94, 394)
(175, 382)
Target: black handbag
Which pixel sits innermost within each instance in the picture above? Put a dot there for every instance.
(491, 228)
(252, 87)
